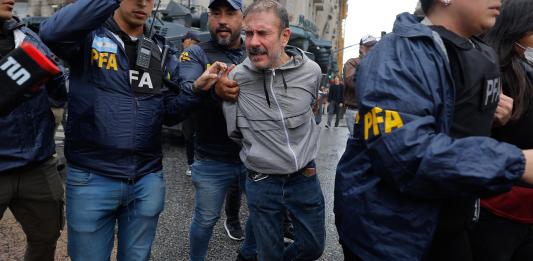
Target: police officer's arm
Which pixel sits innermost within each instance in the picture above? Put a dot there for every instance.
(219, 86)
(226, 89)
(400, 126)
(211, 76)
(179, 106)
(66, 29)
(192, 64)
(175, 105)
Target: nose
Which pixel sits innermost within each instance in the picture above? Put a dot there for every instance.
(142, 3)
(222, 19)
(254, 41)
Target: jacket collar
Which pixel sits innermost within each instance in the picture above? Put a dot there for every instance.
(11, 25)
(453, 38)
(408, 25)
(14, 26)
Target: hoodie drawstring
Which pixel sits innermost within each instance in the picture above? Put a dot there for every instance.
(283, 78)
(265, 88)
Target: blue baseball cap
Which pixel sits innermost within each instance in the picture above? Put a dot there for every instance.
(236, 4)
(191, 35)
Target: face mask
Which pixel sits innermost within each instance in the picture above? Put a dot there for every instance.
(528, 53)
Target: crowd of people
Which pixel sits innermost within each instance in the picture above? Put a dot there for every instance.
(438, 164)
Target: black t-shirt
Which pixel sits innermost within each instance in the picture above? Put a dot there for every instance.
(7, 43)
(130, 46)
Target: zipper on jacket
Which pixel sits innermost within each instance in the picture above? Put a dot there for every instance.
(283, 120)
(135, 102)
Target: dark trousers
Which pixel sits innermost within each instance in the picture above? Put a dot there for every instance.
(233, 202)
(450, 245)
(35, 196)
(334, 110)
(268, 201)
(188, 134)
(499, 239)
(348, 254)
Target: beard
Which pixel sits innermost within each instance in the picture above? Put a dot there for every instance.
(226, 41)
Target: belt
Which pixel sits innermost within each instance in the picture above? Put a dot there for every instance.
(309, 170)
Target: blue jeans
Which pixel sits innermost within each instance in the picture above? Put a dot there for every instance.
(211, 181)
(350, 119)
(302, 197)
(94, 205)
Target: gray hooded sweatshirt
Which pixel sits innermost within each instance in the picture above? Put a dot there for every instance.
(273, 118)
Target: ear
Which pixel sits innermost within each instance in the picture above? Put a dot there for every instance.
(285, 37)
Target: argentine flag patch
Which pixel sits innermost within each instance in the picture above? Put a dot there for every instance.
(104, 45)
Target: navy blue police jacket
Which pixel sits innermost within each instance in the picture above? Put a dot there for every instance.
(401, 163)
(211, 138)
(27, 136)
(110, 130)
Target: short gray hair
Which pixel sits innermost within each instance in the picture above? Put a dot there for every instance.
(267, 5)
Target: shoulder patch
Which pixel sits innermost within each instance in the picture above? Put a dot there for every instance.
(104, 45)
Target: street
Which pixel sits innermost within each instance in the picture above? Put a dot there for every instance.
(171, 241)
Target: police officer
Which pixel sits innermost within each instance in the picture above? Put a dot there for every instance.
(217, 169)
(30, 185)
(190, 38)
(421, 152)
(117, 102)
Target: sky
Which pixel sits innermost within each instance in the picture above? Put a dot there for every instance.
(371, 17)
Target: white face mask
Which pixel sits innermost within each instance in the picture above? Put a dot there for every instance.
(528, 53)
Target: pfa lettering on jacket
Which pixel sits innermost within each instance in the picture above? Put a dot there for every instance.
(378, 121)
(104, 53)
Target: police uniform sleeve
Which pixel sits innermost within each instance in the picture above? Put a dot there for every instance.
(177, 105)
(192, 65)
(66, 29)
(401, 128)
